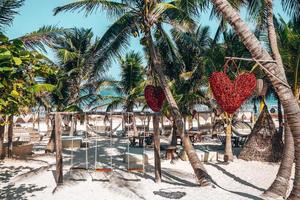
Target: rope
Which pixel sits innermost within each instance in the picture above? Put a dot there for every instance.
(128, 141)
(96, 151)
(86, 151)
(72, 146)
(273, 75)
(111, 126)
(144, 144)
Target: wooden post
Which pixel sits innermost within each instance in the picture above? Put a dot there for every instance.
(58, 145)
(2, 130)
(156, 149)
(72, 129)
(10, 136)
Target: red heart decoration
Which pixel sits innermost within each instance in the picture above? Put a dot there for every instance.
(155, 97)
(230, 95)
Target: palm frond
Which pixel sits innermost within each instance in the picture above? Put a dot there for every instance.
(114, 41)
(8, 10)
(292, 7)
(45, 35)
(113, 8)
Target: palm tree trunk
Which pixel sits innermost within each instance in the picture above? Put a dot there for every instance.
(228, 156)
(281, 183)
(2, 128)
(289, 103)
(280, 119)
(272, 34)
(174, 135)
(51, 143)
(10, 136)
(199, 170)
(156, 149)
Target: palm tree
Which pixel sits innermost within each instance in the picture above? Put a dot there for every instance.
(279, 81)
(74, 51)
(141, 17)
(129, 89)
(289, 49)
(8, 10)
(292, 7)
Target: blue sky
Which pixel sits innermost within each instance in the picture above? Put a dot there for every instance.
(36, 13)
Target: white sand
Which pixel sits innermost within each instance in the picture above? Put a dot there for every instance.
(236, 181)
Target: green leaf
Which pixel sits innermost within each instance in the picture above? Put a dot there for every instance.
(18, 43)
(3, 38)
(17, 61)
(14, 93)
(5, 55)
(6, 69)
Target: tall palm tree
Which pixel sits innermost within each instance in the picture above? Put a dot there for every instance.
(284, 92)
(140, 18)
(289, 49)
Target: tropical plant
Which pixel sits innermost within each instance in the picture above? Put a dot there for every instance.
(18, 87)
(140, 18)
(290, 105)
(75, 53)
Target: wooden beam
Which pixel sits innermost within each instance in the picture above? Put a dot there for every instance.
(58, 145)
(156, 149)
(249, 59)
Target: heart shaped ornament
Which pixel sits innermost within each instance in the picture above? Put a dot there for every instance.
(230, 95)
(155, 97)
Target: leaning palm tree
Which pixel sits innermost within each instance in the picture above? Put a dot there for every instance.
(279, 81)
(140, 18)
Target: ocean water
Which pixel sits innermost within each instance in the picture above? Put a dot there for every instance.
(271, 102)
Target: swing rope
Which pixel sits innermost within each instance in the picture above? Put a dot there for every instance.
(137, 169)
(104, 169)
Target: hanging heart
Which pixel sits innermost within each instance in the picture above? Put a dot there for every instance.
(231, 95)
(155, 97)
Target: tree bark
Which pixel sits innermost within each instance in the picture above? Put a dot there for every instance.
(58, 144)
(51, 143)
(228, 155)
(281, 183)
(10, 136)
(289, 103)
(2, 128)
(199, 170)
(174, 135)
(156, 149)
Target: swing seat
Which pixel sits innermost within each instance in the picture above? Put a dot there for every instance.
(135, 158)
(103, 170)
(135, 169)
(78, 168)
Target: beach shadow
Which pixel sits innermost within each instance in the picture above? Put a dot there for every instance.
(10, 192)
(238, 180)
(8, 172)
